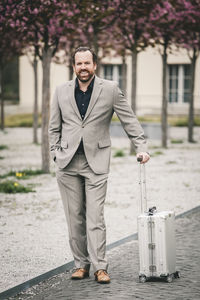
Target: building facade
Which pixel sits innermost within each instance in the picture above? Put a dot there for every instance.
(149, 82)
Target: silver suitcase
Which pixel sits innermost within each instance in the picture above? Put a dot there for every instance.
(156, 239)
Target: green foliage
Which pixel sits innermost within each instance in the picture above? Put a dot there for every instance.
(149, 119)
(21, 120)
(26, 120)
(156, 153)
(183, 121)
(1, 157)
(119, 153)
(3, 147)
(115, 118)
(176, 141)
(24, 174)
(13, 187)
(154, 147)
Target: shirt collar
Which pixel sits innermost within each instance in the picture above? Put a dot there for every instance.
(90, 86)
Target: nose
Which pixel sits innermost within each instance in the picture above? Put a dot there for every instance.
(83, 66)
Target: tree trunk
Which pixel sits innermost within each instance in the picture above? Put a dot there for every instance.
(134, 81)
(70, 62)
(96, 51)
(191, 103)
(133, 90)
(124, 74)
(71, 72)
(46, 63)
(2, 98)
(164, 98)
(35, 109)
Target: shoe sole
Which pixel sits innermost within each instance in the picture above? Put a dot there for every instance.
(78, 278)
(102, 282)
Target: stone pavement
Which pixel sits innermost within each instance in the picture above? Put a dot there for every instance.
(124, 265)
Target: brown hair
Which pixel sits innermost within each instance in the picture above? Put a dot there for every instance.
(83, 49)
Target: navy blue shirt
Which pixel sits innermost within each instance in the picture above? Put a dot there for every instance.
(83, 98)
(82, 101)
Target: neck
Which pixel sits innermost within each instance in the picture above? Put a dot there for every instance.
(84, 85)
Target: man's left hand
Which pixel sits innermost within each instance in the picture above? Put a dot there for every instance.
(145, 157)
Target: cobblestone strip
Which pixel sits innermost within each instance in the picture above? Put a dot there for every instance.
(124, 268)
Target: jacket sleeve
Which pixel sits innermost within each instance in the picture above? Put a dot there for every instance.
(55, 125)
(129, 121)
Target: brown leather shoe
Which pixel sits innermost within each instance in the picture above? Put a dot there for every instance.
(101, 276)
(80, 274)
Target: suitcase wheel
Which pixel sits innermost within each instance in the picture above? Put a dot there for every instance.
(169, 278)
(177, 274)
(142, 279)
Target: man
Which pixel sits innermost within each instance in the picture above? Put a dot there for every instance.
(80, 145)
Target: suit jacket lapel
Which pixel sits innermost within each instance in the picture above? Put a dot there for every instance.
(95, 93)
(72, 98)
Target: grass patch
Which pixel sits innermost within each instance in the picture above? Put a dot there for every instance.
(26, 120)
(133, 153)
(177, 141)
(21, 120)
(1, 157)
(115, 118)
(149, 119)
(171, 162)
(3, 147)
(156, 153)
(24, 174)
(154, 147)
(13, 187)
(119, 153)
(182, 121)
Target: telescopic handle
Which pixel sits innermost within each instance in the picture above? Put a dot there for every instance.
(142, 183)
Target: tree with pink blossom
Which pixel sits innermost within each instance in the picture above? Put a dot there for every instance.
(163, 29)
(189, 27)
(96, 19)
(131, 35)
(49, 20)
(10, 46)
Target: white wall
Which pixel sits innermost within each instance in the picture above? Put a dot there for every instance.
(149, 81)
(59, 74)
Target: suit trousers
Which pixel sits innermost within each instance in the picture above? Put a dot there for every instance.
(83, 195)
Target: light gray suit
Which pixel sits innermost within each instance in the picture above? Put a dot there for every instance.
(82, 179)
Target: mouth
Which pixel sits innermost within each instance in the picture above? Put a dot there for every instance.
(84, 73)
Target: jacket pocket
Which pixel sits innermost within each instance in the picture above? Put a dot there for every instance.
(104, 143)
(64, 144)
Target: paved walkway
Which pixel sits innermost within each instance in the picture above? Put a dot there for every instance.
(123, 269)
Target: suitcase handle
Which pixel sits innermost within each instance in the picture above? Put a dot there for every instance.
(142, 183)
(151, 211)
(139, 158)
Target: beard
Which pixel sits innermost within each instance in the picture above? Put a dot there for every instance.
(85, 77)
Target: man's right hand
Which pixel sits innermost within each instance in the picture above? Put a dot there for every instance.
(144, 157)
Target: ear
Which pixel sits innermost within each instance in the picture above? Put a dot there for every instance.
(95, 67)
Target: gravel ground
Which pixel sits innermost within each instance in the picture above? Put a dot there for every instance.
(33, 229)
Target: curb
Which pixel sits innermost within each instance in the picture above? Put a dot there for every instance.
(68, 266)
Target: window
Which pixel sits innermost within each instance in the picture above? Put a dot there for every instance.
(113, 72)
(11, 80)
(179, 83)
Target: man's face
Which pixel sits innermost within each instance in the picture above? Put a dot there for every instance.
(84, 67)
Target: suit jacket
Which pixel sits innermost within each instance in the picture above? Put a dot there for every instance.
(66, 127)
